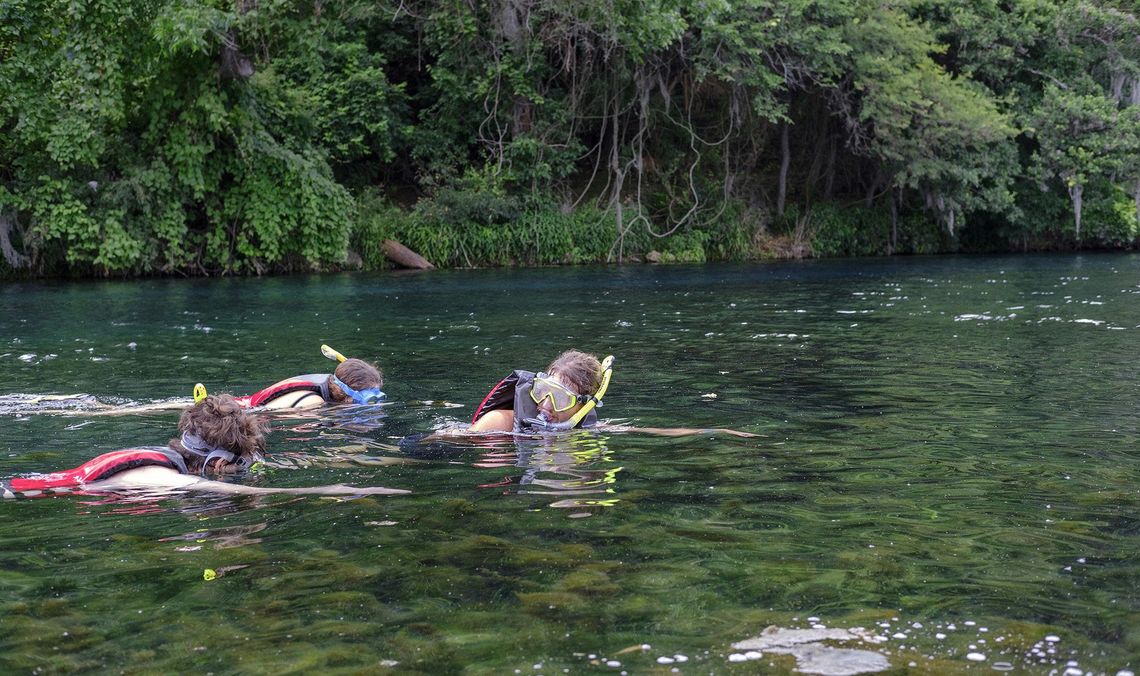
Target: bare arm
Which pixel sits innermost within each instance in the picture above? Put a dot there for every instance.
(163, 477)
(499, 420)
(680, 431)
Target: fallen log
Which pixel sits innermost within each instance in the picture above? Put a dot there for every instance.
(403, 256)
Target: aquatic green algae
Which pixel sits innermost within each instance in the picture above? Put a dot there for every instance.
(917, 467)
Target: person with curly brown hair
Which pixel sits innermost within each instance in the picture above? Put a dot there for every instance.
(219, 437)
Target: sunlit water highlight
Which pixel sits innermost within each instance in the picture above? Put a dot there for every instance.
(946, 474)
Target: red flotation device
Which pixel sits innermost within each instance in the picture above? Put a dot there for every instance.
(313, 382)
(100, 467)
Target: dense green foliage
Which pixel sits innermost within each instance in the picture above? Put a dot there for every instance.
(215, 136)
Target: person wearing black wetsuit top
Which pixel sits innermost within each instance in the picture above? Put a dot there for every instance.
(552, 397)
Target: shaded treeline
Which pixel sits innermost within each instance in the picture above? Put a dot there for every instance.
(254, 135)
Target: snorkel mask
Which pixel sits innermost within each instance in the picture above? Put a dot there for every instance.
(202, 448)
(562, 399)
(371, 395)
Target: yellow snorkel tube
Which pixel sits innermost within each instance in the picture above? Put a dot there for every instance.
(592, 402)
(332, 354)
(199, 393)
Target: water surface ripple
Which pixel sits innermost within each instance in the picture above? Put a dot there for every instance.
(945, 474)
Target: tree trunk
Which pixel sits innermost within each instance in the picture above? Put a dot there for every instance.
(829, 174)
(785, 163)
(892, 247)
(14, 258)
(1136, 199)
(619, 180)
(403, 256)
(513, 18)
(1076, 193)
(869, 198)
(817, 163)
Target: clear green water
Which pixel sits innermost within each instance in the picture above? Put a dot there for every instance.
(946, 441)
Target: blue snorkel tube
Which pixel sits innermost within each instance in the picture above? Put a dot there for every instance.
(592, 401)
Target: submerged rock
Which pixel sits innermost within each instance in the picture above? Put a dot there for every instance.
(815, 657)
(778, 637)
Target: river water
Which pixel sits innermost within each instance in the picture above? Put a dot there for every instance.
(945, 473)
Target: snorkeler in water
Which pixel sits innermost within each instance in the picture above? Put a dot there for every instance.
(218, 437)
(562, 397)
(354, 381)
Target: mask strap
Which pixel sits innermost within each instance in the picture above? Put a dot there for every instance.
(195, 444)
(201, 448)
(226, 457)
(368, 396)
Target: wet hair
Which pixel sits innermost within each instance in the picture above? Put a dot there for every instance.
(357, 374)
(222, 423)
(580, 371)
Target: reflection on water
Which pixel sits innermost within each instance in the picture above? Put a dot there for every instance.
(575, 469)
(946, 475)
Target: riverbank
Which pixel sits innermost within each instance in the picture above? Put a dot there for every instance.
(457, 229)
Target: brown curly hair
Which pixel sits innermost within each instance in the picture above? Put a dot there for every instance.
(581, 371)
(357, 374)
(221, 422)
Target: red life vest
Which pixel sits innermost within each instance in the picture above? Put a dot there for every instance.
(97, 468)
(312, 382)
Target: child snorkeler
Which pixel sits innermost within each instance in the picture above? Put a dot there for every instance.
(354, 381)
(218, 437)
(562, 397)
